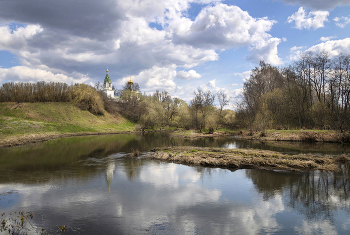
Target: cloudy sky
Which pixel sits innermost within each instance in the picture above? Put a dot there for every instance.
(173, 45)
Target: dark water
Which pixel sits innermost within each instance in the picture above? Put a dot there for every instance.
(90, 186)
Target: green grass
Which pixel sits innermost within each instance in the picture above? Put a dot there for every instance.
(55, 118)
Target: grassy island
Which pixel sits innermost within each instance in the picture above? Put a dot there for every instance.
(246, 159)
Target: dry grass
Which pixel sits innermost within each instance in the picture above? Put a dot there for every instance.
(246, 159)
(298, 135)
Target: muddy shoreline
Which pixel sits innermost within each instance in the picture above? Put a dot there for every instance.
(246, 159)
(302, 136)
(36, 138)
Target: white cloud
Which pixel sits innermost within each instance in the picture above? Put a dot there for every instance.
(212, 83)
(324, 39)
(319, 4)
(314, 19)
(333, 47)
(18, 38)
(295, 52)
(192, 74)
(154, 78)
(81, 45)
(26, 74)
(342, 22)
(222, 27)
(244, 75)
(265, 50)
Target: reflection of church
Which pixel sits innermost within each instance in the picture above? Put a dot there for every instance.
(107, 85)
(109, 173)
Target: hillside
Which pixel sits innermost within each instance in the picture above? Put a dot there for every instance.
(30, 122)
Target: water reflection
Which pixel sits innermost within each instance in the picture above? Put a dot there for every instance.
(137, 196)
(318, 196)
(93, 187)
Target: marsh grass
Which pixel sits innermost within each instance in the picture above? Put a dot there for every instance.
(247, 158)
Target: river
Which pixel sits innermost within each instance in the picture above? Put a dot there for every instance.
(89, 185)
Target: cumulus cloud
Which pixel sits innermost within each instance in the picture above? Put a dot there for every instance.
(342, 22)
(314, 19)
(69, 45)
(212, 83)
(333, 47)
(318, 4)
(154, 78)
(324, 39)
(222, 27)
(12, 40)
(295, 52)
(265, 50)
(25, 74)
(188, 75)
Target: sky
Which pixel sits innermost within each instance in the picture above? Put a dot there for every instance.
(173, 45)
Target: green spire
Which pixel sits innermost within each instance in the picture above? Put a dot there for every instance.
(107, 78)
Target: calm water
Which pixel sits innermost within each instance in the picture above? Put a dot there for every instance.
(91, 186)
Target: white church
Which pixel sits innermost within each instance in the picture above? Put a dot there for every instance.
(107, 85)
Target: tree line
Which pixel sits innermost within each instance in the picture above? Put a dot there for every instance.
(83, 96)
(312, 93)
(158, 110)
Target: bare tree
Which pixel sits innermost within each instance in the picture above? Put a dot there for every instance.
(224, 100)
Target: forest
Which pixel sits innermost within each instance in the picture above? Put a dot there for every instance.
(311, 93)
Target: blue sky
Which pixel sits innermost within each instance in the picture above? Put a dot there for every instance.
(173, 45)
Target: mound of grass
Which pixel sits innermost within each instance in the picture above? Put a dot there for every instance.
(18, 119)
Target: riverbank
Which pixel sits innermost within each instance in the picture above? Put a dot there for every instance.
(246, 159)
(12, 141)
(331, 136)
(23, 123)
(180, 133)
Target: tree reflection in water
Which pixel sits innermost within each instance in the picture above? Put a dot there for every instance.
(314, 194)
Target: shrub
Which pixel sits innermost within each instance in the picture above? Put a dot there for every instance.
(86, 97)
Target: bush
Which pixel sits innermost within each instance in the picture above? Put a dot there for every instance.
(88, 98)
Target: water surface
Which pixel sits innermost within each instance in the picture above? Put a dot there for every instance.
(91, 186)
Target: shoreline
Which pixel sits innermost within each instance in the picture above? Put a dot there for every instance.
(246, 159)
(273, 135)
(295, 136)
(13, 141)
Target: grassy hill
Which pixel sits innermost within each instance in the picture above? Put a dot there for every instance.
(22, 119)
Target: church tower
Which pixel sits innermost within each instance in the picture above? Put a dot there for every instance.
(107, 85)
(130, 85)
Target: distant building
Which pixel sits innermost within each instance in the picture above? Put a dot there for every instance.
(107, 85)
(130, 85)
